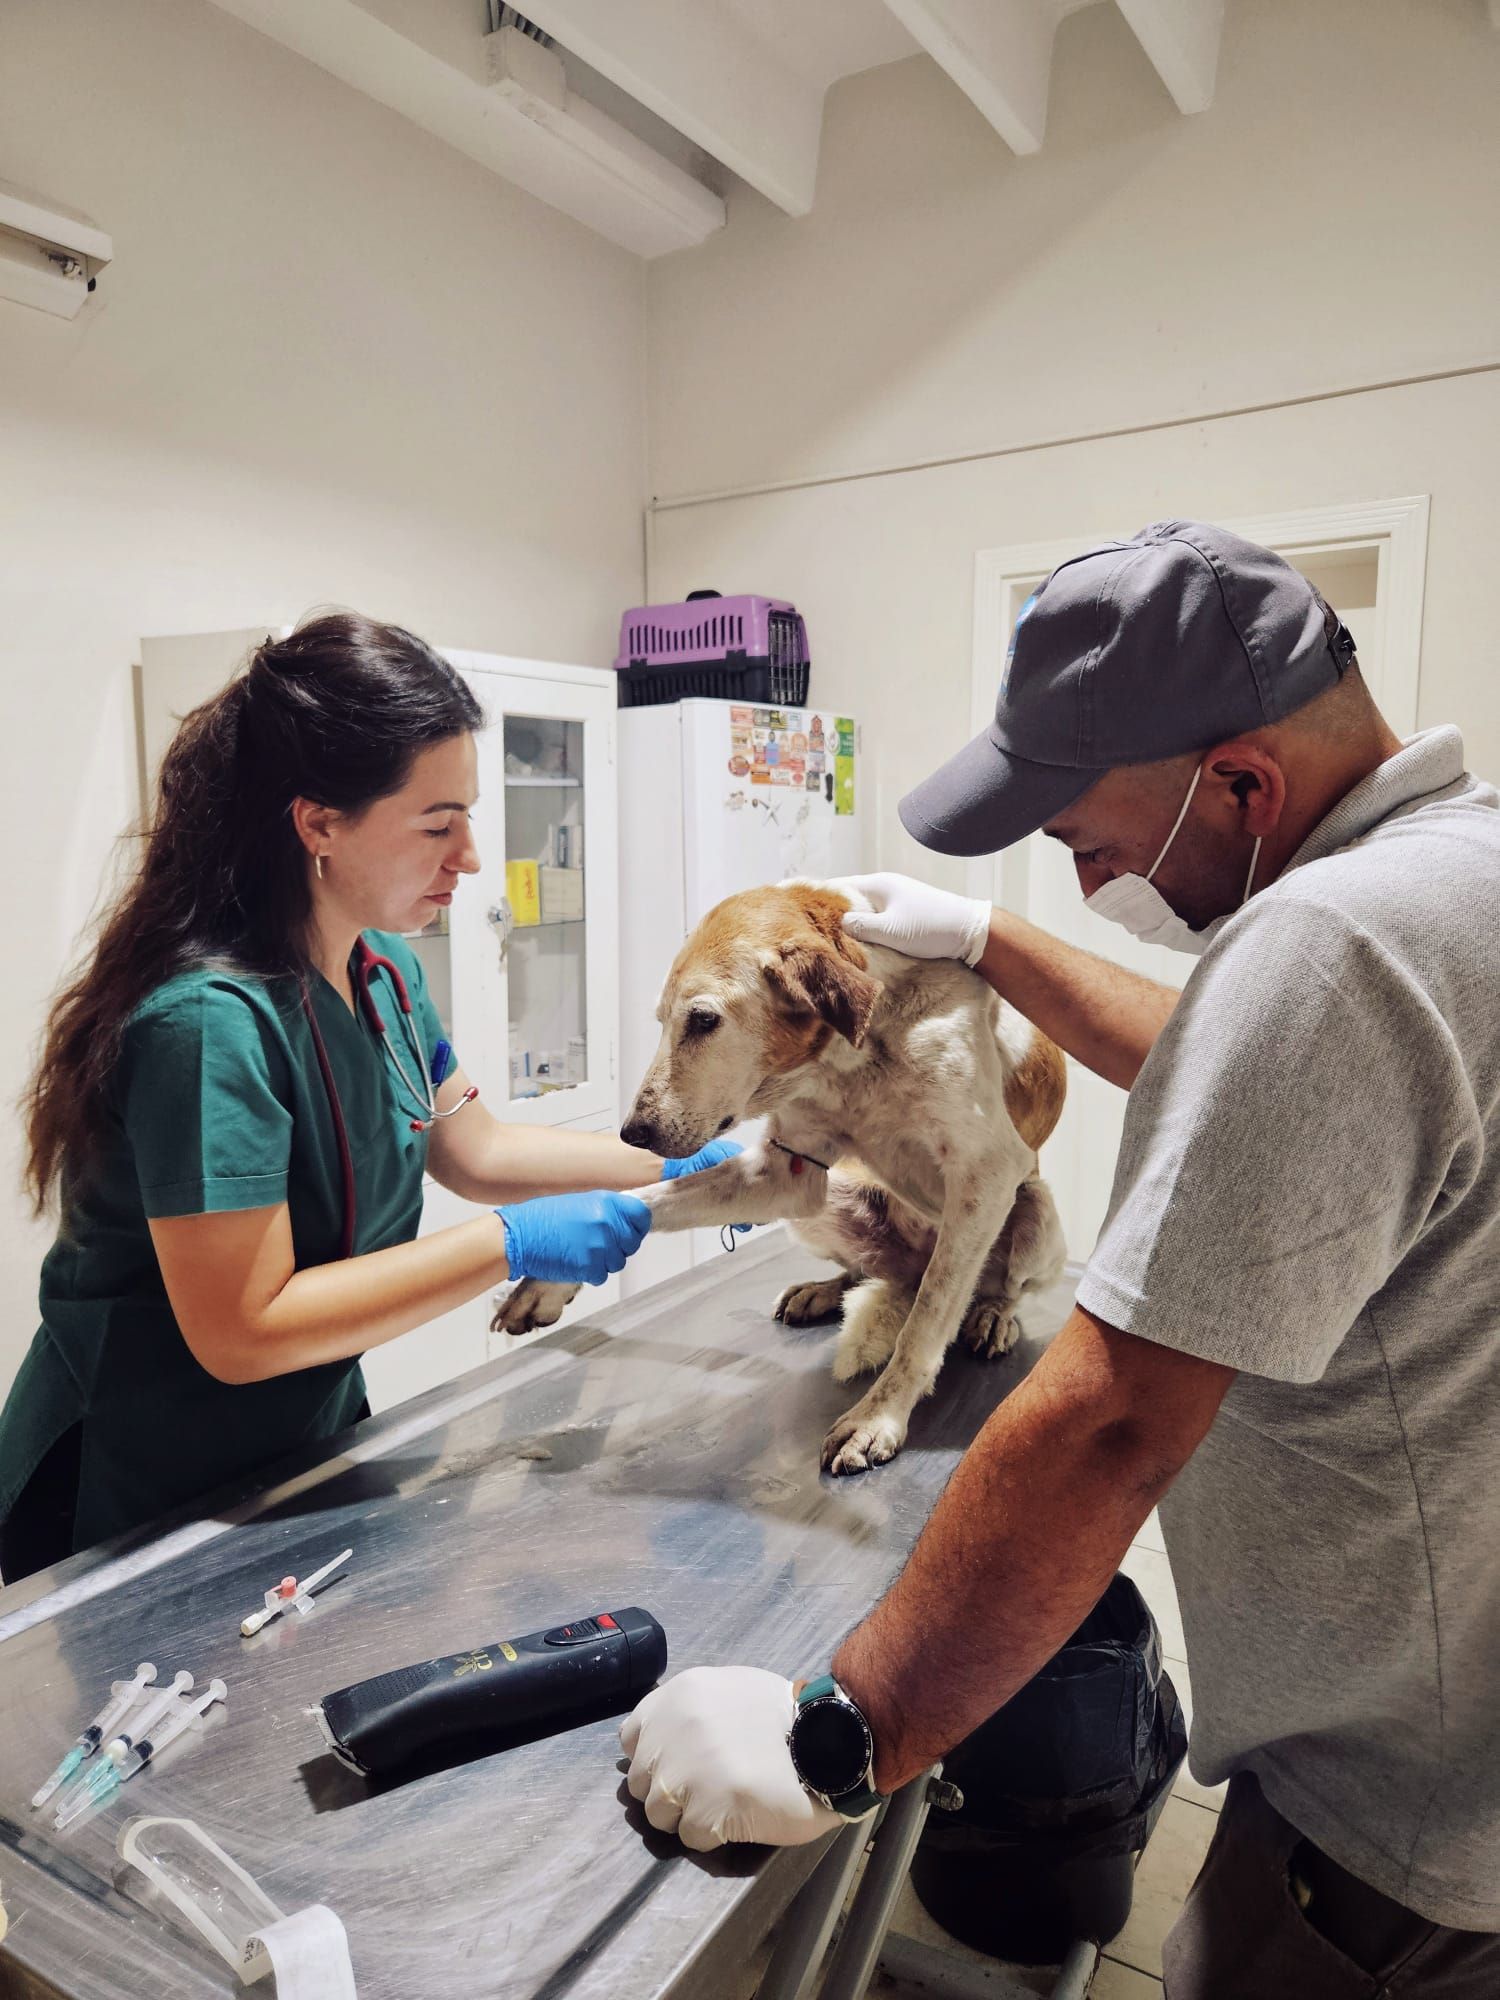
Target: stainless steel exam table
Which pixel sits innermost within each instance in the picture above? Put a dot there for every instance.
(666, 1455)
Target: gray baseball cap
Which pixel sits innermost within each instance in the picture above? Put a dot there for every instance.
(1130, 653)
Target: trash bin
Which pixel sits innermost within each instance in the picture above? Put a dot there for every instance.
(1062, 1788)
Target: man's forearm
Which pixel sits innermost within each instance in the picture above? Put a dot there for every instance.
(1025, 1540)
(1105, 1017)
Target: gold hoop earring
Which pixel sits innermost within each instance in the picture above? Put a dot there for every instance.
(318, 864)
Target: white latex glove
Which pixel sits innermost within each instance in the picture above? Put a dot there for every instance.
(921, 921)
(708, 1757)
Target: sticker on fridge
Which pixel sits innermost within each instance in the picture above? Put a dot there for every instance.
(843, 768)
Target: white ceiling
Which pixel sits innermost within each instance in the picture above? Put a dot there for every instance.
(603, 125)
(823, 40)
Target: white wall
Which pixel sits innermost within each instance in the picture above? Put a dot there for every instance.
(333, 362)
(1329, 222)
(883, 568)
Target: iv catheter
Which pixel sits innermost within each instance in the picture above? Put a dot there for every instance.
(290, 1593)
(122, 1760)
(123, 1697)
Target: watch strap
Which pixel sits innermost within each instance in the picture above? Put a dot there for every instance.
(862, 1798)
(818, 1690)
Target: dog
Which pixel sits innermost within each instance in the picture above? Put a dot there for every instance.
(905, 1108)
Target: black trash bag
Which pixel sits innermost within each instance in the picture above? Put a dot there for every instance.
(1062, 1788)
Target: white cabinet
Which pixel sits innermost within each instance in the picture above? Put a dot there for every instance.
(523, 967)
(532, 959)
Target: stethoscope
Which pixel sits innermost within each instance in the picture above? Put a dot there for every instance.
(423, 1093)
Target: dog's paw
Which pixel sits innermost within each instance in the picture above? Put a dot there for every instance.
(806, 1305)
(533, 1304)
(874, 1314)
(861, 1439)
(990, 1328)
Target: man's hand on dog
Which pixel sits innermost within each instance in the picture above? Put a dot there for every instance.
(923, 922)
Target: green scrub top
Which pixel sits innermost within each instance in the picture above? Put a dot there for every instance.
(217, 1103)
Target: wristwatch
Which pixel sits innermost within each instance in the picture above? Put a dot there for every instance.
(833, 1752)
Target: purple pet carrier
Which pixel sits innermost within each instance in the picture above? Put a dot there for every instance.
(731, 648)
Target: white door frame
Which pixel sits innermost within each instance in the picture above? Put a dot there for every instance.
(1395, 529)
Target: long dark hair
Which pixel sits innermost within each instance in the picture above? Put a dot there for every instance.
(336, 713)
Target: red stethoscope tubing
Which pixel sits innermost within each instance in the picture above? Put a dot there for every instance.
(366, 964)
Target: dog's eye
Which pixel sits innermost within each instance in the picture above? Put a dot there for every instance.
(702, 1021)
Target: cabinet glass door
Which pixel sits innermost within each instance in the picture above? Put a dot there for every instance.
(534, 972)
(434, 952)
(547, 941)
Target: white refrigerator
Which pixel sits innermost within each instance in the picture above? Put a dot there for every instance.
(717, 796)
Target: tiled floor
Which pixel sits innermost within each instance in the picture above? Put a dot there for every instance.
(1131, 1969)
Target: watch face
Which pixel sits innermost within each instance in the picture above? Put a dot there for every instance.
(830, 1746)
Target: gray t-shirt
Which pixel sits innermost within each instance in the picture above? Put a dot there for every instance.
(1308, 1190)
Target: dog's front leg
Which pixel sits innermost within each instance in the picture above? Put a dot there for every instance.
(762, 1184)
(875, 1429)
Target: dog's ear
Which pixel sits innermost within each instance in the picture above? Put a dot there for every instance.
(815, 978)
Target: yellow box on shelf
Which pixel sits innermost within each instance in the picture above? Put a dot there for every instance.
(523, 891)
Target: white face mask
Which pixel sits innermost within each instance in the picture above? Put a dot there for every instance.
(1133, 901)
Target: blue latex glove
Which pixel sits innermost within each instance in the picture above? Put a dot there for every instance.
(572, 1239)
(714, 1154)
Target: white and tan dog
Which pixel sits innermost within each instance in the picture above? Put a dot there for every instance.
(905, 1107)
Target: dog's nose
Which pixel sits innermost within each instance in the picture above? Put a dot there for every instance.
(640, 1132)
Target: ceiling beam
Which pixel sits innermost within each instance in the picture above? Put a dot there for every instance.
(998, 52)
(543, 138)
(1181, 37)
(700, 69)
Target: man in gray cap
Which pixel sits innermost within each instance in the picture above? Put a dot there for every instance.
(1287, 1331)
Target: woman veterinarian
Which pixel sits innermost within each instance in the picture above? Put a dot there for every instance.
(233, 1111)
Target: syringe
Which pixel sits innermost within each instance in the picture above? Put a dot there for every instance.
(123, 1697)
(158, 1704)
(158, 1701)
(121, 1760)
